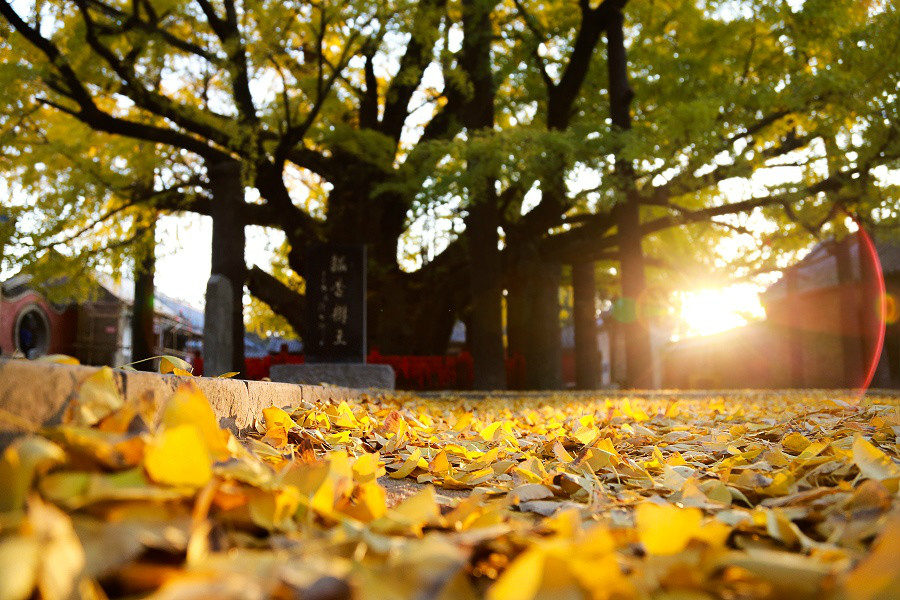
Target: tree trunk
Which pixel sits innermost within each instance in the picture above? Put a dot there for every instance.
(360, 214)
(143, 342)
(533, 320)
(638, 360)
(518, 310)
(587, 354)
(485, 332)
(485, 336)
(228, 243)
(543, 357)
(409, 313)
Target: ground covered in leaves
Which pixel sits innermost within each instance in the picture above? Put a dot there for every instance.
(787, 495)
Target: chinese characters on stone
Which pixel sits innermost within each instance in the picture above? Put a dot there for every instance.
(338, 286)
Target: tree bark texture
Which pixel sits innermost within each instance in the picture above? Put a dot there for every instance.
(631, 255)
(543, 357)
(485, 332)
(588, 361)
(533, 320)
(143, 342)
(485, 335)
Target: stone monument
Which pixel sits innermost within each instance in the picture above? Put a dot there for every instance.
(217, 336)
(334, 342)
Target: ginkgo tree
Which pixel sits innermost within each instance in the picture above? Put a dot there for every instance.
(244, 103)
(705, 95)
(85, 202)
(84, 209)
(758, 93)
(521, 99)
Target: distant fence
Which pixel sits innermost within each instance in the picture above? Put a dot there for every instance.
(451, 372)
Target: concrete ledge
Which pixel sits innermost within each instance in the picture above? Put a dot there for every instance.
(351, 375)
(33, 394)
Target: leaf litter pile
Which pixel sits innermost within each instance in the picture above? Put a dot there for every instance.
(750, 495)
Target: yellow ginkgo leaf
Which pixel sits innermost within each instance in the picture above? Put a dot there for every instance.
(179, 457)
(367, 502)
(366, 467)
(20, 559)
(795, 442)
(274, 510)
(418, 510)
(408, 465)
(276, 437)
(322, 500)
(20, 462)
(344, 417)
(463, 422)
(872, 462)
(878, 575)
(168, 364)
(560, 453)
(813, 450)
(60, 359)
(666, 529)
(190, 407)
(440, 463)
(490, 432)
(522, 579)
(62, 553)
(676, 460)
(276, 417)
(586, 434)
(97, 398)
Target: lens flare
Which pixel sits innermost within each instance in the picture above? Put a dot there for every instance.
(867, 246)
(891, 309)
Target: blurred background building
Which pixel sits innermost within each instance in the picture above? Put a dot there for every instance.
(825, 320)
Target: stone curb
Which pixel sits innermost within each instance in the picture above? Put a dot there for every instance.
(350, 375)
(34, 394)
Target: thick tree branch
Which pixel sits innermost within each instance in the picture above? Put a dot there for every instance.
(296, 223)
(368, 104)
(593, 23)
(151, 26)
(69, 85)
(539, 38)
(592, 237)
(281, 299)
(415, 59)
(322, 165)
(230, 38)
(152, 101)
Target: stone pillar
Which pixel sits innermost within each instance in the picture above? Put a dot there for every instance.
(228, 242)
(217, 327)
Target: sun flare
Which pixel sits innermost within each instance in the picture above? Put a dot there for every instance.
(713, 310)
